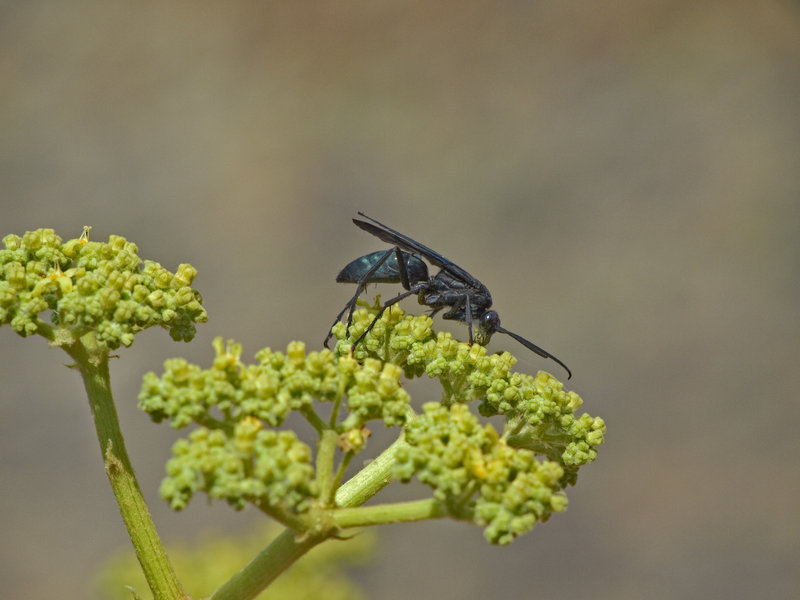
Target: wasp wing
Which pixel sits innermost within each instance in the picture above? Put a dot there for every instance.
(390, 236)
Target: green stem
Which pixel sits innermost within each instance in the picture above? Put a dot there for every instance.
(46, 330)
(149, 550)
(284, 517)
(210, 422)
(447, 392)
(313, 418)
(326, 453)
(383, 514)
(371, 479)
(337, 404)
(265, 568)
(340, 470)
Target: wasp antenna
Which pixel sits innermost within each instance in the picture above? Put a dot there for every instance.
(531, 346)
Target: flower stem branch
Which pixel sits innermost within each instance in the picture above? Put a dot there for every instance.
(383, 514)
(371, 479)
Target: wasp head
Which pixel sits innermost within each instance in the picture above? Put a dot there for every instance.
(488, 323)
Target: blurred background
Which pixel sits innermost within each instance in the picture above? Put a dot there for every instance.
(624, 176)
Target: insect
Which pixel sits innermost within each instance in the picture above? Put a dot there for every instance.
(466, 298)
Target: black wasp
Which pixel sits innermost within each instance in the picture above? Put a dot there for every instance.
(452, 287)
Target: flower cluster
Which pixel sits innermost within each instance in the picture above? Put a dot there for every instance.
(539, 414)
(269, 390)
(477, 475)
(505, 482)
(233, 455)
(98, 287)
(248, 464)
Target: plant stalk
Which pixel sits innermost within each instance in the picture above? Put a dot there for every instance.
(150, 552)
(267, 566)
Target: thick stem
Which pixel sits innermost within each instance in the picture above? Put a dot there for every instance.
(265, 568)
(152, 557)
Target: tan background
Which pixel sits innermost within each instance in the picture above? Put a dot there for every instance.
(624, 176)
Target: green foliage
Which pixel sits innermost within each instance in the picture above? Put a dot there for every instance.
(209, 561)
(92, 287)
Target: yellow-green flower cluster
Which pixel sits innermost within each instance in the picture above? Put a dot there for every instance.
(395, 338)
(374, 393)
(98, 287)
(477, 475)
(279, 383)
(252, 464)
(232, 400)
(539, 413)
(505, 482)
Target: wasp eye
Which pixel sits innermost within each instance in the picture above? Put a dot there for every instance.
(489, 321)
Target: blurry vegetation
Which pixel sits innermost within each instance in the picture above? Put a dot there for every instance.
(209, 561)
